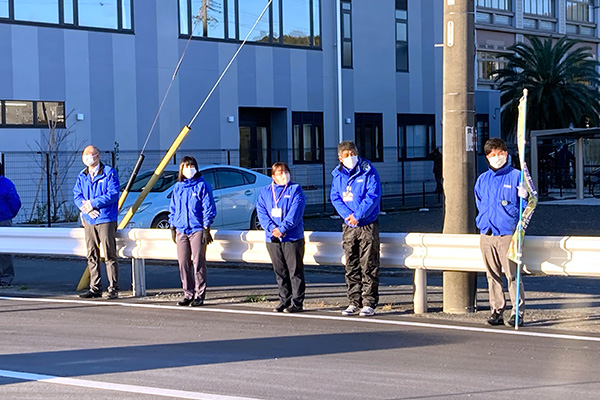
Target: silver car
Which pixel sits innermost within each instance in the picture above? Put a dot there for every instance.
(235, 190)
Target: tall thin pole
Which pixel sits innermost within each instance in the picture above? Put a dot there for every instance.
(459, 147)
(338, 15)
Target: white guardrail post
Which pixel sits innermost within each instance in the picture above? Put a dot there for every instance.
(550, 255)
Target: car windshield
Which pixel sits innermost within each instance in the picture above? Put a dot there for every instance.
(166, 180)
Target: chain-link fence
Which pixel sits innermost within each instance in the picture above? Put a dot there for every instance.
(45, 181)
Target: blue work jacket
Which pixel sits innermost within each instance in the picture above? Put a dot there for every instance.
(363, 183)
(290, 199)
(192, 206)
(497, 200)
(10, 203)
(103, 191)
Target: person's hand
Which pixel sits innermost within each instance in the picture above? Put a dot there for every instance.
(277, 233)
(351, 220)
(94, 214)
(522, 192)
(174, 234)
(86, 207)
(206, 236)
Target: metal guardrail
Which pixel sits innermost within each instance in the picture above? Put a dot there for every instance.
(548, 255)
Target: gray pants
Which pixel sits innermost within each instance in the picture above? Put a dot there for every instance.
(104, 234)
(361, 246)
(7, 270)
(191, 255)
(494, 250)
(288, 264)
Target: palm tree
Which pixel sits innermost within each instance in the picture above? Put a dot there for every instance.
(562, 81)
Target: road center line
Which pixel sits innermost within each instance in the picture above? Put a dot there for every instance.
(305, 315)
(117, 387)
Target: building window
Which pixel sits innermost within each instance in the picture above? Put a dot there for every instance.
(307, 128)
(346, 28)
(483, 131)
(286, 22)
(487, 63)
(402, 35)
(416, 135)
(495, 4)
(580, 10)
(32, 114)
(369, 135)
(113, 15)
(539, 7)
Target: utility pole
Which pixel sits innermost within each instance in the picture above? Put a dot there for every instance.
(459, 143)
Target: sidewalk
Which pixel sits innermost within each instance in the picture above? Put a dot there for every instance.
(560, 303)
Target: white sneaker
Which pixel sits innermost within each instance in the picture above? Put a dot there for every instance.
(351, 310)
(367, 311)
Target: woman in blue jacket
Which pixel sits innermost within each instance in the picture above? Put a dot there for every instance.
(192, 212)
(280, 208)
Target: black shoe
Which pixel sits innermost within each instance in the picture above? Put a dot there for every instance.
(90, 294)
(496, 318)
(112, 294)
(511, 321)
(280, 307)
(293, 309)
(197, 302)
(184, 302)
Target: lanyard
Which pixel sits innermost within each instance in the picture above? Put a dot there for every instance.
(276, 200)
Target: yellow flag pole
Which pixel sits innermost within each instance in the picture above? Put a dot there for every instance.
(85, 278)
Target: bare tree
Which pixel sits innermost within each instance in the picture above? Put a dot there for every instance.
(63, 150)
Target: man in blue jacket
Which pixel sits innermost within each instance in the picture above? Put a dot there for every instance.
(497, 194)
(10, 203)
(96, 194)
(356, 194)
(280, 207)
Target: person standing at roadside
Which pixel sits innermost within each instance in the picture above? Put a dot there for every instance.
(192, 212)
(356, 194)
(96, 194)
(280, 208)
(497, 195)
(10, 204)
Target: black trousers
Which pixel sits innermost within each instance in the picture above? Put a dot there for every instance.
(361, 246)
(288, 264)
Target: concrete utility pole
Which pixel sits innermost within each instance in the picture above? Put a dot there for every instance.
(459, 143)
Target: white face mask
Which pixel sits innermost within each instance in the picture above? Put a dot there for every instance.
(498, 161)
(188, 172)
(88, 160)
(350, 162)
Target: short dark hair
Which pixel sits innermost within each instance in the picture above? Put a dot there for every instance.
(277, 165)
(185, 162)
(347, 145)
(494, 144)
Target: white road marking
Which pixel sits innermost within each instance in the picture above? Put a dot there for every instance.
(117, 387)
(305, 315)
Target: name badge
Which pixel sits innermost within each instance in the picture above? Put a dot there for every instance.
(347, 196)
(276, 212)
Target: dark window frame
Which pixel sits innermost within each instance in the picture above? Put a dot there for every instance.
(374, 120)
(35, 124)
(483, 133)
(75, 25)
(348, 12)
(269, 14)
(402, 5)
(315, 119)
(405, 120)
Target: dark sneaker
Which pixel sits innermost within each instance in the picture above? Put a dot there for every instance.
(293, 309)
(184, 302)
(113, 294)
(90, 295)
(197, 302)
(511, 321)
(496, 318)
(280, 308)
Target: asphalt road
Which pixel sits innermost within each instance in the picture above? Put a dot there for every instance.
(237, 351)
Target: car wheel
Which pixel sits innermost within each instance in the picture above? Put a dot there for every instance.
(254, 222)
(161, 221)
